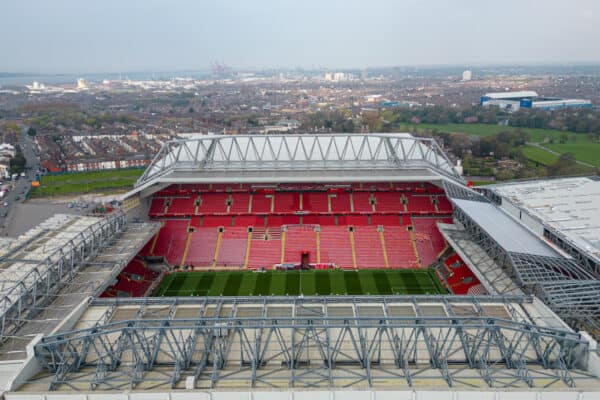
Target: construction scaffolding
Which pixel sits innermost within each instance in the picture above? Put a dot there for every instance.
(312, 342)
(565, 209)
(569, 289)
(492, 277)
(69, 259)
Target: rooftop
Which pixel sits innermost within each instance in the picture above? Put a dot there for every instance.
(509, 234)
(306, 158)
(58, 264)
(511, 95)
(569, 206)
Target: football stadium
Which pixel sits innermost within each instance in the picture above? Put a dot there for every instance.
(357, 266)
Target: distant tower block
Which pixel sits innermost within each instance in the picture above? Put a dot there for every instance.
(81, 84)
(467, 75)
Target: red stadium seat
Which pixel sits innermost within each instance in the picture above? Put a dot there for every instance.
(340, 202)
(157, 207)
(367, 243)
(267, 208)
(399, 247)
(287, 202)
(389, 220)
(240, 202)
(290, 220)
(388, 202)
(420, 203)
(429, 240)
(353, 220)
(182, 206)
(248, 220)
(171, 240)
(216, 220)
(315, 202)
(316, 219)
(264, 253)
(213, 203)
(461, 280)
(201, 252)
(232, 251)
(134, 281)
(261, 203)
(335, 246)
(297, 240)
(274, 220)
(361, 201)
(444, 204)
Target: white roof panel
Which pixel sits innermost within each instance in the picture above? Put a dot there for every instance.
(570, 207)
(511, 95)
(508, 233)
(297, 152)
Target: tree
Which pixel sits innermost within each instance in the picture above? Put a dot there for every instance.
(563, 138)
(459, 143)
(566, 159)
(31, 131)
(334, 121)
(566, 164)
(18, 162)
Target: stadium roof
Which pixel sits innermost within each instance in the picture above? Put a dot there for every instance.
(568, 288)
(298, 158)
(509, 234)
(511, 95)
(570, 207)
(50, 269)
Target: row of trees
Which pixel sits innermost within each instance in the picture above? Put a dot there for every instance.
(332, 121)
(443, 115)
(572, 120)
(476, 153)
(499, 146)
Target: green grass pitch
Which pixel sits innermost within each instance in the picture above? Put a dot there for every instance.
(86, 182)
(308, 283)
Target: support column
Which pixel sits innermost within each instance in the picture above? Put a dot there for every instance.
(248, 244)
(385, 256)
(217, 248)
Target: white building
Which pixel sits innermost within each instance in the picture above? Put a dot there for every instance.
(81, 84)
(507, 100)
(7, 149)
(467, 75)
(338, 76)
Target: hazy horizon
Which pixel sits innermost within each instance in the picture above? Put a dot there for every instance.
(71, 37)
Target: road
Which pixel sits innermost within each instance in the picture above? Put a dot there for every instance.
(22, 185)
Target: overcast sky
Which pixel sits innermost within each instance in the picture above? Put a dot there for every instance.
(49, 36)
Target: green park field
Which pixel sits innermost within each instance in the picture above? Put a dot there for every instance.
(579, 145)
(583, 150)
(308, 283)
(86, 182)
(536, 135)
(539, 155)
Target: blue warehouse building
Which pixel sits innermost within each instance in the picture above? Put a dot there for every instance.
(513, 101)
